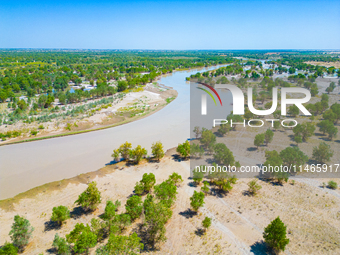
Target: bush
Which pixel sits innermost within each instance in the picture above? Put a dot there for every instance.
(90, 198)
(254, 187)
(184, 149)
(134, 207)
(322, 153)
(332, 185)
(157, 150)
(124, 150)
(8, 249)
(197, 200)
(206, 223)
(60, 214)
(121, 245)
(82, 237)
(61, 245)
(176, 178)
(138, 153)
(197, 177)
(166, 192)
(21, 232)
(275, 235)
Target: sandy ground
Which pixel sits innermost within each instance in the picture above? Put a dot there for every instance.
(311, 213)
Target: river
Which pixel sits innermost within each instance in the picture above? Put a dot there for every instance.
(27, 165)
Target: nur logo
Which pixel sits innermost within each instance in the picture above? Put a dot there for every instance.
(238, 99)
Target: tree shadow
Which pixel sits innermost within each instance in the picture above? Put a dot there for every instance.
(188, 213)
(247, 193)
(176, 157)
(142, 233)
(192, 184)
(50, 225)
(199, 232)
(52, 251)
(251, 149)
(112, 162)
(77, 212)
(260, 248)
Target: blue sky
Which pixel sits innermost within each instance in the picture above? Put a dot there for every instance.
(177, 25)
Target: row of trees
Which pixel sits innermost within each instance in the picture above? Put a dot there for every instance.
(138, 153)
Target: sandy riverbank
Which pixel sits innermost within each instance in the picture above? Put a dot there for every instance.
(310, 212)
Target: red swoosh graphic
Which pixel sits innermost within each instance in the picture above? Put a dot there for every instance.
(213, 90)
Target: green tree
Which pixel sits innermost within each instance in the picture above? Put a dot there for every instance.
(223, 155)
(138, 153)
(197, 200)
(82, 237)
(306, 130)
(254, 187)
(223, 129)
(293, 110)
(60, 214)
(166, 192)
(184, 149)
(259, 140)
(115, 155)
(268, 136)
(156, 216)
(207, 138)
(110, 211)
(197, 132)
(293, 156)
(157, 150)
(90, 198)
(118, 245)
(21, 232)
(122, 221)
(205, 189)
(197, 177)
(134, 207)
(275, 235)
(206, 223)
(8, 249)
(124, 150)
(148, 181)
(61, 245)
(176, 178)
(322, 153)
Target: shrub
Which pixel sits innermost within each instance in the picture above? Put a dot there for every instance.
(184, 149)
(61, 245)
(90, 198)
(275, 235)
(82, 237)
(176, 178)
(134, 207)
(197, 177)
(157, 150)
(197, 200)
(166, 192)
(121, 245)
(124, 150)
(8, 249)
(60, 214)
(138, 153)
(148, 181)
(332, 185)
(322, 153)
(21, 232)
(254, 187)
(206, 223)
